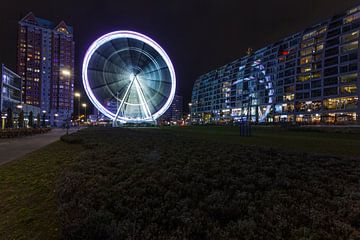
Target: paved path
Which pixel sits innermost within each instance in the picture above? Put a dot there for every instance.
(11, 149)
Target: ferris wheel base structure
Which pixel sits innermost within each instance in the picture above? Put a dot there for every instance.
(129, 78)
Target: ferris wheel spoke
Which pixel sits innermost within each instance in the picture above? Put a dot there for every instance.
(114, 64)
(142, 98)
(140, 55)
(118, 55)
(123, 100)
(157, 80)
(156, 70)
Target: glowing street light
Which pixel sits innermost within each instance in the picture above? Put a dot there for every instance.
(66, 72)
(84, 105)
(3, 117)
(77, 94)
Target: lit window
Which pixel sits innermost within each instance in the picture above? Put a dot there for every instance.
(350, 37)
(306, 60)
(349, 78)
(349, 47)
(352, 18)
(348, 89)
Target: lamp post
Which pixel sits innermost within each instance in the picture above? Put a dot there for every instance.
(84, 106)
(78, 95)
(190, 105)
(3, 117)
(55, 120)
(66, 73)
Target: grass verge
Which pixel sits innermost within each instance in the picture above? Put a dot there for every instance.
(27, 197)
(298, 140)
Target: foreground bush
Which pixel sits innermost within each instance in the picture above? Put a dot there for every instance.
(150, 185)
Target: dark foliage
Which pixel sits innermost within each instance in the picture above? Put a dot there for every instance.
(9, 118)
(131, 184)
(21, 122)
(31, 119)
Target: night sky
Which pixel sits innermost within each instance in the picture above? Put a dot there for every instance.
(198, 35)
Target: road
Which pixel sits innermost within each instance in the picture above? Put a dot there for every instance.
(11, 149)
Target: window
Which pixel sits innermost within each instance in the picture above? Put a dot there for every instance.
(350, 37)
(307, 51)
(348, 68)
(341, 103)
(331, 61)
(348, 89)
(306, 60)
(316, 93)
(331, 52)
(348, 57)
(330, 81)
(330, 91)
(316, 84)
(289, 97)
(349, 78)
(306, 69)
(349, 47)
(303, 78)
(308, 43)
(352, 18)
(331, 71)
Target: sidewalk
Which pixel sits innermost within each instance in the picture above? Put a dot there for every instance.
(11, 149)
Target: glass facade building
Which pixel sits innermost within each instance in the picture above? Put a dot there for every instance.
(10, 94)
(309, 77)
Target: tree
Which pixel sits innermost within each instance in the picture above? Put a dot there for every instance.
(9, 118)
(31, 119)
(21, 119)
(43, 122)
(38, 120)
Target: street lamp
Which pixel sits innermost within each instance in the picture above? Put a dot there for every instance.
(3, 117)
(55, 120)
(190, 105)
(78, 95)
(66, 72)
(84, 105)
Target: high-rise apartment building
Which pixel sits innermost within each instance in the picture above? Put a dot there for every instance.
(46, 65)
(175, 111)
(309, 77)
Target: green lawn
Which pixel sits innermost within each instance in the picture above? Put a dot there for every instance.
(318, 142)
(27, 193)
(29, 205)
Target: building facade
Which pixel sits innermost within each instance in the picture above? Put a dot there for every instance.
(10, 94)
(175, 111)
(309, 77)
(46, 65)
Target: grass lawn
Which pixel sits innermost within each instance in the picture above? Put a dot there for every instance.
(318, 142)
(27, 193)
(185, 183)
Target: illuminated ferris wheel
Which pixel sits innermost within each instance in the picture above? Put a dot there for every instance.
(129, 77)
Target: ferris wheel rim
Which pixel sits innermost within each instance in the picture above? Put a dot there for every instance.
(131, 35)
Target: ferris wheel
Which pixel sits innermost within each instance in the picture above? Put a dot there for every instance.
(129, 77)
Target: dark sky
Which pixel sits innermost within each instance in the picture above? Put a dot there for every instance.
(198, 35)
